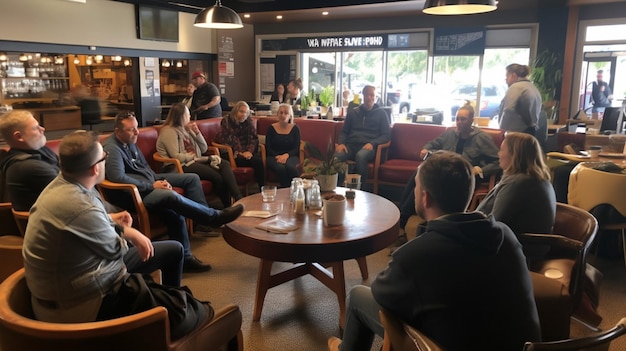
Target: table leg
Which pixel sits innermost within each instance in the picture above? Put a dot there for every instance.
(363, 267)
(262, 285)
(336, 282)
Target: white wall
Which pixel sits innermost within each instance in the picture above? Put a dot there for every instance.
(94, 23)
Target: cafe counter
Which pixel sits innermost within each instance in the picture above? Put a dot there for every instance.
(57, 118)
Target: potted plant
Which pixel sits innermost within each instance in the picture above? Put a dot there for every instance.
(306, 100)
(327, 97)
(547, 75)
(325, 167)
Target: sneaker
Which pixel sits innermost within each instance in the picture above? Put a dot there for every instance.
(192, 264)
(207, 230)
(228, 215)
(402, 239)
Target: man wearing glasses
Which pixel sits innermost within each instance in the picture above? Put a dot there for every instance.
(30, 166)
(126, 164)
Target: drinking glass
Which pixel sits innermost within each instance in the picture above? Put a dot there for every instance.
(268, 192)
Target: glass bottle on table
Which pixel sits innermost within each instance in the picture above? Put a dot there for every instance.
(299, 206)
(315, 196)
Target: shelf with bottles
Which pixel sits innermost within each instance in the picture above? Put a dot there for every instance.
(32, 78)
(14, 88)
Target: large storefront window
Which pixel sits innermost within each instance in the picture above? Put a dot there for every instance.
(410, 77)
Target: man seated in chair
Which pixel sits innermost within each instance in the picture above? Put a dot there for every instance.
(74, 252)
(476, 146)
(464, 282)
(365, 128)
(30, 166)
(126, 164)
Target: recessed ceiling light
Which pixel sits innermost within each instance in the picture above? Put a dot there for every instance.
(247, 15)
(325, 13)
(279, 17)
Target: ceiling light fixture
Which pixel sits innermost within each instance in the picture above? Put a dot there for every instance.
(76, 60)
(325, 13)
(279, 17)
(458, 7)
(218, 17)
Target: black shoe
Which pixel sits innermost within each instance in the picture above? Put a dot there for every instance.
(193, 265)
(228, 215)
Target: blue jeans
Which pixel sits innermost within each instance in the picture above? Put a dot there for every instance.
(175, 208)
(361, 156)
(193, 205)
(168, 257)
(362, 320)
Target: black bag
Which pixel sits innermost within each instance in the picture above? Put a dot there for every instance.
(140, 293)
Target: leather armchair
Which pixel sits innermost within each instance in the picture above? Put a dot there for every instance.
(148, 330)
(600, 341)
(402, 337)
(243, 175)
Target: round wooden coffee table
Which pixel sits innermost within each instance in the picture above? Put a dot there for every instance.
(371, 224)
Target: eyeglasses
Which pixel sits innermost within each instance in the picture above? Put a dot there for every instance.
(106, 154)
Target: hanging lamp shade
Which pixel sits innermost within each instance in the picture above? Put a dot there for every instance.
(218, 17)
(458, 7)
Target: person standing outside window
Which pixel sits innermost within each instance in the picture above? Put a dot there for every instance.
(206, 99)
(521, 106)
(601, 95)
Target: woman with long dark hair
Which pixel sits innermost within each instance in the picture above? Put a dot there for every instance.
(181, 139)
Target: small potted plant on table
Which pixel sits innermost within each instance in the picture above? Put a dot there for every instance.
(325, 167)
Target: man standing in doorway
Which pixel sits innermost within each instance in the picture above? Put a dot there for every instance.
(206, 99)
(601, 95)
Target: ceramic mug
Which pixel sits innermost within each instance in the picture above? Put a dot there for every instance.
(334, 210)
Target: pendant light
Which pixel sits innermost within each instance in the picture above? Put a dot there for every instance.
(218, 17)
(458, 7)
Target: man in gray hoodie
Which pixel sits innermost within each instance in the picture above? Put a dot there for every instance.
(463, 282)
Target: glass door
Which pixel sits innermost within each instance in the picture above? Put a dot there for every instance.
(599, 66)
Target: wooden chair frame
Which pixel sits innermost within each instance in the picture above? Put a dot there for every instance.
(400, 336)
(148, 330)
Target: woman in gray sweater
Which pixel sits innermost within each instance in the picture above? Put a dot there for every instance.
(524, 199)
(181, 139)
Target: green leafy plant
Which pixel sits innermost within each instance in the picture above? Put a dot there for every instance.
(306, 99)
(547, 75)
(323, 163)
(327, 96)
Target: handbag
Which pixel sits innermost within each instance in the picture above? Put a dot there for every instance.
(138, 293)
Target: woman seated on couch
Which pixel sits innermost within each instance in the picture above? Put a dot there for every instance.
(238, 132)
(181, 139)
(282, 143)
(524, 199)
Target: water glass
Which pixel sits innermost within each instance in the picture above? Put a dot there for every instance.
(315, 197)
(268, 192)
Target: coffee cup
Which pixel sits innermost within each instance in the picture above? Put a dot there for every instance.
(594, 151)
(334, 209)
